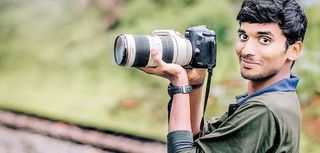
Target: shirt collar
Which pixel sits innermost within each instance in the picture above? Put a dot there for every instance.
(285, 85)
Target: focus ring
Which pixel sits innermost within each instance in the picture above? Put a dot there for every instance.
(142, 51)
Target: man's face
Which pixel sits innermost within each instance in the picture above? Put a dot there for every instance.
(261, 50)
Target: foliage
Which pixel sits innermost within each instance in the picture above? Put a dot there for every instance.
(308, 65)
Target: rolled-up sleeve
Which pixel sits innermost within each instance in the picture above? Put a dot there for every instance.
(179, 141)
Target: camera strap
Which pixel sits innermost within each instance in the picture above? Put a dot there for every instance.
(206, 96)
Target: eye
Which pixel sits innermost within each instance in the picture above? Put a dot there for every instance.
(264, 40)
(243, 37)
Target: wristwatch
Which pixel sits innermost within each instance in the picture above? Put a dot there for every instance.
(172, 90)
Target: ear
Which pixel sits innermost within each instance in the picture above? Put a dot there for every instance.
(294, 50)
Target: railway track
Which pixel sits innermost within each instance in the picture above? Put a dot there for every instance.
(106, 140)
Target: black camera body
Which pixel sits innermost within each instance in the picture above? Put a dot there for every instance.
(204, 47)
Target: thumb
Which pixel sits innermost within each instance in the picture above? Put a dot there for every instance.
(155, 55)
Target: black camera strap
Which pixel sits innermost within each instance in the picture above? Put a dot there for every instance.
(213, 45)
(206, 96)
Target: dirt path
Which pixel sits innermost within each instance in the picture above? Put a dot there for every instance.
(18, 141)
(20, 133)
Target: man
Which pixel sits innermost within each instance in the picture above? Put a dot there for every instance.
(266, 118)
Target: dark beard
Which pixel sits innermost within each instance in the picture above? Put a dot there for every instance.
(260, 77)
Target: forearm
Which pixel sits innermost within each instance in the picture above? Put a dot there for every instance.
(180, 135)
(179, 118)
(196, 78)
(195, 110)
(184, 117)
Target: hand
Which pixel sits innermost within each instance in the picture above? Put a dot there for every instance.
(176, 74)
(196, 76)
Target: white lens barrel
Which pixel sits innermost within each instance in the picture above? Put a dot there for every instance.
(183, 50)
(173, 48)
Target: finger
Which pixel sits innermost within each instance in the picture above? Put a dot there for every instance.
(151, 70)
(140, 68)
(146, 70)
(156, 57)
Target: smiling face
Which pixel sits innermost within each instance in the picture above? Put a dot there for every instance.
(262, 51)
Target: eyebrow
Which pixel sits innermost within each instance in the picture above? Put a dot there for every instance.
(264, 33)
(241, 31)
(259, 32)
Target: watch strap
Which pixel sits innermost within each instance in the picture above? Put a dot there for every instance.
(172, 90)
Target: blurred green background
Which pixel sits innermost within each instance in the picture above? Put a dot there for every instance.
(56, 61)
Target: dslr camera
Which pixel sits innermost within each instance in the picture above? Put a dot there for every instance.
(197, 49)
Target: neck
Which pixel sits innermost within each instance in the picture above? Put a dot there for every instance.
(254, 86)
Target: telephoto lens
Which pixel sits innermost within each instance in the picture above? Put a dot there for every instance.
(131, 50)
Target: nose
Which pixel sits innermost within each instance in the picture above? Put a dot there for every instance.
(247, 48)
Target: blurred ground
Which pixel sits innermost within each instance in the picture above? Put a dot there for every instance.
(18, 141)
(21, 133)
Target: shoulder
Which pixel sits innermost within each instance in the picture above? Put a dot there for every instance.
(284, 107)
(270, 97)
(278, 102)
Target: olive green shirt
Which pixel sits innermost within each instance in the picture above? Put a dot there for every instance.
(269, 122)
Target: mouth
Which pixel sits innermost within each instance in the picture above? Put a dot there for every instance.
(248, 64)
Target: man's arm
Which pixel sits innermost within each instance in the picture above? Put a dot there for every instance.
(181, 121)
(195, 110)
(179, 118)
(182, 140)
(196, 77)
